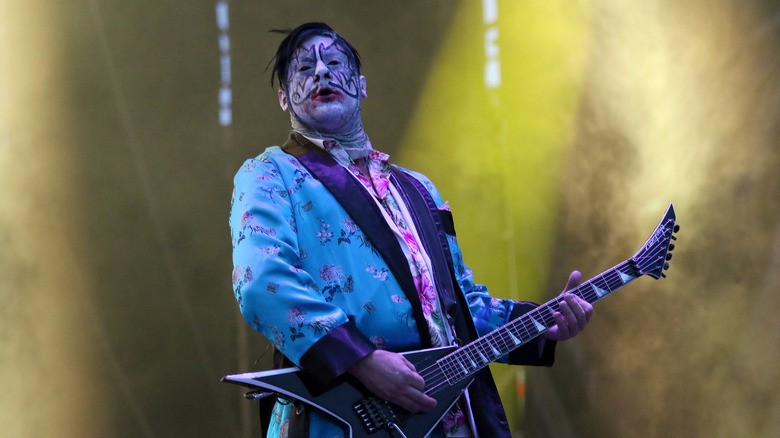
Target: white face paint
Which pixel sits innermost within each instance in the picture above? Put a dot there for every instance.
(324, 88)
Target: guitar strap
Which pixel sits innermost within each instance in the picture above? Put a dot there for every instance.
(433, 225)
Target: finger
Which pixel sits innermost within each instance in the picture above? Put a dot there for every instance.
(571, 322)
(417, 382)
(409, 364)
(574, 280)
(563, 329)
(414, 401)
(588, 311)
(566, 310)
(587, 308)
(576, 306)
(420, 402)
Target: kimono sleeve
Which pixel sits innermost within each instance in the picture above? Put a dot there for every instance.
(275, 295)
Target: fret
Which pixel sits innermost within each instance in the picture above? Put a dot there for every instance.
(600, 286)
(469, 358)
(538, 325)
(517, 338)
(498, 343)
(521, 326)
(627, 273)
(492, 352)
(476, 355)
(480, 346)
(446, 366)
(612, 278)
(482, 356)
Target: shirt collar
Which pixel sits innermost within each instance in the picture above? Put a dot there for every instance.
(346, 156)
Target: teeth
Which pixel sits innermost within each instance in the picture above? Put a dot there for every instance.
(322, 92)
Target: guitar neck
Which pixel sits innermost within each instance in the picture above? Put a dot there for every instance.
(472, 357)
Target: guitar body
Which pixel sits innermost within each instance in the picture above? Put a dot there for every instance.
(349, 402)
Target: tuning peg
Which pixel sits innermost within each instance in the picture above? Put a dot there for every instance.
(666, 266)
(676, 228)
(671, 246)
(668, 256)
(663, 275)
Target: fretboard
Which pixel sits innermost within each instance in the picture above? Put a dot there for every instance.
(476, 355)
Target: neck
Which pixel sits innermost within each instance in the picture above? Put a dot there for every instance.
(351, 136)
(355, 143)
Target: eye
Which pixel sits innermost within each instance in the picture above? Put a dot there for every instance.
(334, 62)
(304, 68)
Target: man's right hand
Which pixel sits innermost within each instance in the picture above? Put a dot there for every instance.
(393, 378)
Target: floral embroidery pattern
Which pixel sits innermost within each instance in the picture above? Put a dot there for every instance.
(452, 421)
(380, 342)
(364, 242)
(273, 194)
(322, 325)
(350, 229)
(304, 207)
(297, 316)
(378, 273)
(270, 250)
(241, 276)
(291, 223)
(248, 222)
(300, 177)
(276, 338)
(324, 235)
(333, 275)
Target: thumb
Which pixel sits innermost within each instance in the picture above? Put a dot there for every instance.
(574, 280)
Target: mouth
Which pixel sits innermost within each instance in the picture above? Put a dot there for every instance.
(324, 94)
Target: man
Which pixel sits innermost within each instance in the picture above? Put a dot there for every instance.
(342, 260)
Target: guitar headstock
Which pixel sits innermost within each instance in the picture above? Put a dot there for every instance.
(653, 258)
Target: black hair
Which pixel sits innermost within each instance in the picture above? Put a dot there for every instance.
(293, 40)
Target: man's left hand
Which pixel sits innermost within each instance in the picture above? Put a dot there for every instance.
(574, 313)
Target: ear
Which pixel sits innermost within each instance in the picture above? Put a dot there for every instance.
(283, 100)
(363, 86)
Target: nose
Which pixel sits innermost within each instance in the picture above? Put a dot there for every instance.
(321, 71)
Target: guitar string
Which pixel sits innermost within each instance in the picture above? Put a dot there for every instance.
(435, 375)
(435, 379)
(449, 371)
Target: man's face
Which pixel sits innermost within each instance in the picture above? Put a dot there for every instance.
(323, 86)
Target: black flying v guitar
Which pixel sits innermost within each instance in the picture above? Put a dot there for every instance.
(448, 371)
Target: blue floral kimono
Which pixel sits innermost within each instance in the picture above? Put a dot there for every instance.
(319, 273)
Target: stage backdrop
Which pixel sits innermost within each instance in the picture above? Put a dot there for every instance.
(558, 130)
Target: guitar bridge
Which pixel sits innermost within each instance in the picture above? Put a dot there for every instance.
(376, 414)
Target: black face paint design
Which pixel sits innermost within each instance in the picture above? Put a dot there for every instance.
(324, 90)
(337, 72)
